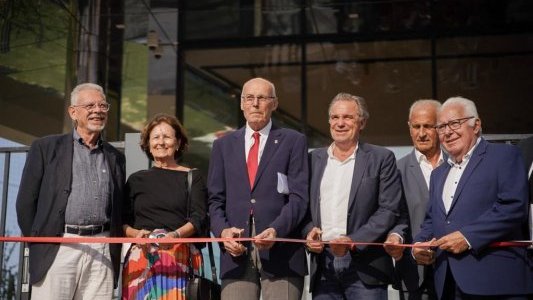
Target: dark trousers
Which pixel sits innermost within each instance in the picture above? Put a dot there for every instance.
(339, 281)
(426, 289)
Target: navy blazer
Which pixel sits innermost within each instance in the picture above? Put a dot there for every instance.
(43, 194)
(231, 199)
(489, 205)
(373, 209)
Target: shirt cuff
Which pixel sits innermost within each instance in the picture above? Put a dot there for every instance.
(396, 234)
(469, 246)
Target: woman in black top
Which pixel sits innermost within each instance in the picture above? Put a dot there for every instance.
(157, 207)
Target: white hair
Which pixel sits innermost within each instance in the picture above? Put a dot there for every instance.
(468, 106)
(422, 102)
(84, 87)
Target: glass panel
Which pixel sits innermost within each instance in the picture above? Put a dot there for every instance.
(389, 75)
(213, 86)
(135, 65)
(493, 45)
(494, 72)
(327, 16)
(33, 41)
(484, 15)
(498, 86)
(11, 251)
(134, 86)
(240, 19)
(210, 111)
(279, 64)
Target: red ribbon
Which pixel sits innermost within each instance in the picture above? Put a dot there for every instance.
(121, 240)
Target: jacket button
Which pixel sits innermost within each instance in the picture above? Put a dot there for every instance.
(448, 222)
(252, 200)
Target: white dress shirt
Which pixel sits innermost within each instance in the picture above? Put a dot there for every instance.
(335, 194)
(249, 139)
(456, 171)
(426, 166)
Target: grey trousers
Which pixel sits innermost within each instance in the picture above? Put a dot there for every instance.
(251, 286)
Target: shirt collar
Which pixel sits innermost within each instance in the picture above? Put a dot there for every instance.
(80, 140)
(332, 147)
(263, 132)
(421, 157)
(467, 156)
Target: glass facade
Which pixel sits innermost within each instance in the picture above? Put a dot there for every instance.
(389, 52)
(190, 58)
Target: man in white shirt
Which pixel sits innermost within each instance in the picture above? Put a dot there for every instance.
(355, 196)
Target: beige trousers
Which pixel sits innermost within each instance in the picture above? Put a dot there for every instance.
(79, 271)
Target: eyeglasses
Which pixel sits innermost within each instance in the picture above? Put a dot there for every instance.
(453, 124)
(104, 106)
(260, 98)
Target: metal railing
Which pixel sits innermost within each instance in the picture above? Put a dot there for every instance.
(8, 288)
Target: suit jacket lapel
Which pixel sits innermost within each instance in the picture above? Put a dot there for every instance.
(110, 157)
(414, 169)
(361, 159)
(318, 167)
(477, 157)
(239, 160)
(271, 146)
(65, 149)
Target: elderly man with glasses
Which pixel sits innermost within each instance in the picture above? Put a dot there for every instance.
(478, 197)
(257, 186)
(72, 187)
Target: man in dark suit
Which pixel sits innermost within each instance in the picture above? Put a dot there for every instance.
(72, 186)
(355, 196)
(415, 169)
(257, 186)
(479, 196)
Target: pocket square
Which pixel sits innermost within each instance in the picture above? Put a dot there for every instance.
(283, 185)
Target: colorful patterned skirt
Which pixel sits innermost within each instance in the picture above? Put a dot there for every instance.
(158, 273)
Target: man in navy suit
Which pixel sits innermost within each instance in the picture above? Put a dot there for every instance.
(355, 196)
(257, 186)
(72, 186)
(479, 196)
(415, 169)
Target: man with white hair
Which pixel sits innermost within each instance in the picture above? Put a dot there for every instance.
(72, 187)
(475, 199)
(415, 169)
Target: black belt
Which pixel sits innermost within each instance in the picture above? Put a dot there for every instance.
(86, 229)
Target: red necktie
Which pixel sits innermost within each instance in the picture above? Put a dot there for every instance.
(253, 159)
